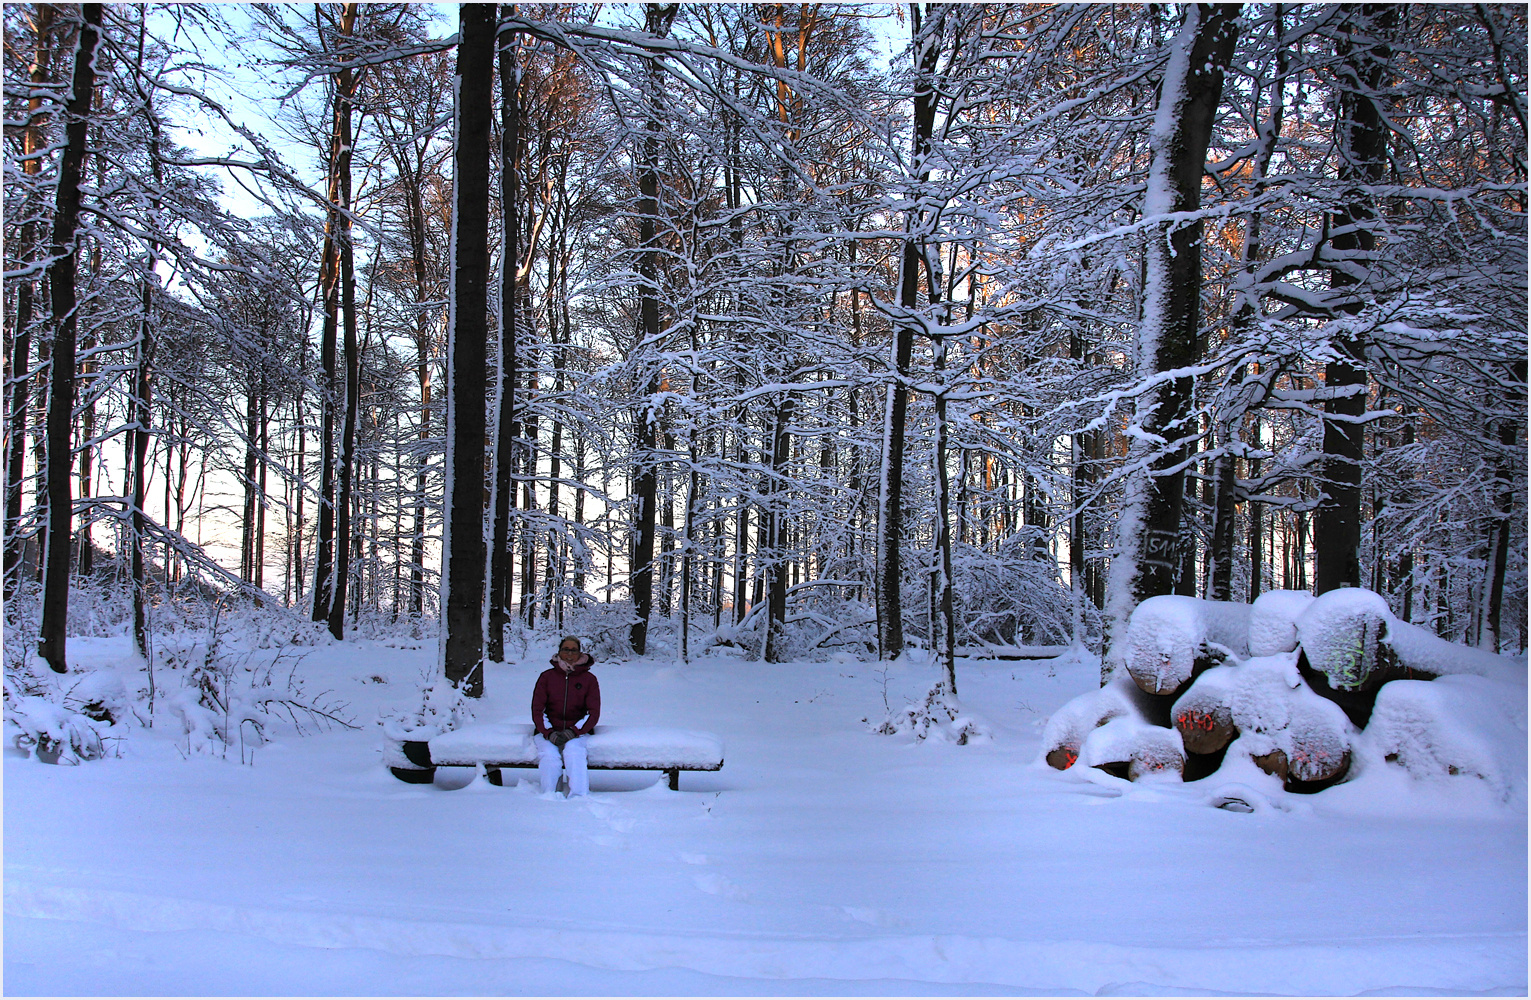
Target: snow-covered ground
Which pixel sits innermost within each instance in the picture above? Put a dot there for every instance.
(822, 859)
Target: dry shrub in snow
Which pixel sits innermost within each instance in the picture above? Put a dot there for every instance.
(59, 735)
(443, 708)
(939, 717)
(231, 696)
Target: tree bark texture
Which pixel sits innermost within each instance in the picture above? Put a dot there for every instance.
(33, 140)
(61, 391)
(645, 480)
(890, 605)
(1151, 530)
(345, 94)
(463, 575)
(1363, 153)
(507, 427)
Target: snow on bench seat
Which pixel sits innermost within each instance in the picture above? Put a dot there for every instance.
(609, 748)
(642, 747)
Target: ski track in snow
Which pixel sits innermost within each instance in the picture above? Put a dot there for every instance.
(822, 859)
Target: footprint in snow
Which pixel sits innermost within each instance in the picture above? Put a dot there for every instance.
(872, 915)
(717, 885)
(693, 859)
(619, 822)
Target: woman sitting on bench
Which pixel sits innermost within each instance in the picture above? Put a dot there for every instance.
(566, 693)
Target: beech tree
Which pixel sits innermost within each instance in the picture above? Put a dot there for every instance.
(462, 600)
(61, 274)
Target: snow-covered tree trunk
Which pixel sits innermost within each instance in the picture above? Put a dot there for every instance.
(890, 522)
(462, 597)
(33, 143)
(61, 392)
(776, 533)
(331, 386)
(945, 596)
(140, 412)
(1504, 504)
(1362, 141)
(657, 22)
(345, 84)
(1149, 533)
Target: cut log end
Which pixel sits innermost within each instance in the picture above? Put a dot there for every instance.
(1309, 773)
(1274, 763)
(1205, 729)
(1155, 768)
(1155, 683)
(1063, 758)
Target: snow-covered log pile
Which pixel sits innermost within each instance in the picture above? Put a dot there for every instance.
(1170, 639)
(1304, 687)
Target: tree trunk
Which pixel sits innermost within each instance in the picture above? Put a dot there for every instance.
(462, 598)
(775, 522)
(507, 426)
(61, 277)
(890, 606)
(1150, 531)
(947, 650)
(645, 486)
(1504, 511)
(346, 83)
(33, 141)
(247, 477)
(140, 414)
(1363, 162)
(324, 530)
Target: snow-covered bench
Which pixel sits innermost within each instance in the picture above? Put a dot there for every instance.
(498, 745)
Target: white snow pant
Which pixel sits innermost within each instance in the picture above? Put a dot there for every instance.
(572, 761)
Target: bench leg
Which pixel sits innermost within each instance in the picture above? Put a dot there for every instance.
(674, 774)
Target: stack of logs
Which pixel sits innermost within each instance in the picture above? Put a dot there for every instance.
(1301, 679)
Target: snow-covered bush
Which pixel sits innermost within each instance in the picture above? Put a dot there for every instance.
(231, 696)
(66, 718)
(605, 630)
(1170, 638)
(443, 708)
(59, 735)
(1012, 597)
(940, 717)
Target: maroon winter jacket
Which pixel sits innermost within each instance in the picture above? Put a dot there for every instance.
(567, 698)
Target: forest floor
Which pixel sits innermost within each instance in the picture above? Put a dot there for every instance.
(823, 859)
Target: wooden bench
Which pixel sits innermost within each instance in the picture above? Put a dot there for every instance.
(498, 745)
